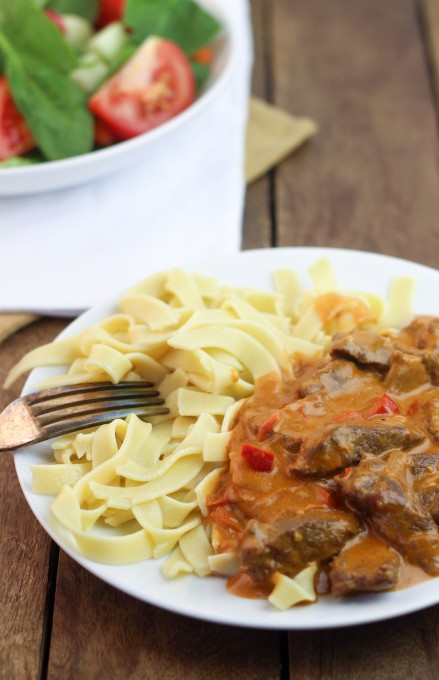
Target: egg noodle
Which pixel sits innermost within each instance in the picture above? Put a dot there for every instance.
(133, 490)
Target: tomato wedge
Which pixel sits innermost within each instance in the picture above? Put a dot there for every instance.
(15, 136)
(109, 10)
(103, 134)
(155, 85)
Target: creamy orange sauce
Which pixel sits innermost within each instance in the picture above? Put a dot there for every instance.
(245, 493)
(351, 312)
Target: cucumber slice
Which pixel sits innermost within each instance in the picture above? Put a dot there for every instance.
(109, 42)
(78, 30)
(91, 72)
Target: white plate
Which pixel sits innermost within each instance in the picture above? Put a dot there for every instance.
(208, 598)
(79, 169)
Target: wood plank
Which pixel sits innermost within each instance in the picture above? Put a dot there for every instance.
(24, 546)
(370, 178)
(403, 648)
(429, 12)
(257, 232)
(121, 638)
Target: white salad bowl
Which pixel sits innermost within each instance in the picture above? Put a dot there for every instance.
(79, 169)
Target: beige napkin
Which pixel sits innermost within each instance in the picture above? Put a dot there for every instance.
(272, 134)
(10, 323)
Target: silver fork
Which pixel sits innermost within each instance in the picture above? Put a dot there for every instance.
(59, 410)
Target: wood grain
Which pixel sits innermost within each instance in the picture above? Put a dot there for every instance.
(124, 639)
(24, 546)
(370, 179)
(257, 228)
(10, 323)
(429, 14)
(406, 647)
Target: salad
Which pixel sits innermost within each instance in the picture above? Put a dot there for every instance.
(78, 75)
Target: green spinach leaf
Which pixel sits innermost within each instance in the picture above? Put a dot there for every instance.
(18, 161)
(32, 33)
(201, 73)
(37, 63)
(88, 9)
(54, 107)
(182, 21)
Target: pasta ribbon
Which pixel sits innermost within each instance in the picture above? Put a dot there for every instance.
(400, 301)
(249, 351)
(290, 591)
(148, 310)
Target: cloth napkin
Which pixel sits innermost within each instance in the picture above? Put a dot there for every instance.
(272, 134)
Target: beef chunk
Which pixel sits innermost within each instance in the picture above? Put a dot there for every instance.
(428, 497)
(422, 464)
(310, 387)
(431, 412)
(291, 543)
(393, 511)
(336, 377)
(422, 333)
(425, 469)
(431, 363)
(365, 348)
(407, 372)
(290, 443)
(366, 566)
(337, 446)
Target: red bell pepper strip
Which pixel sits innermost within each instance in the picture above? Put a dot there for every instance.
(346, 415)
(267, 427)
(325, 496)
(385, 406)
(222, 515)
(258, 459)
(217, 502)
(413, 408)
(345, 473)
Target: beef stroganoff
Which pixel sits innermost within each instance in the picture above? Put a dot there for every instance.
(180, 486)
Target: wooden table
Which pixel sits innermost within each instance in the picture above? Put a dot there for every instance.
(369, 180)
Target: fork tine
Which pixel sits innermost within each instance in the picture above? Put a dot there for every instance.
(105, 398)
(60, 410)
(53, 416)
(83, 388)
(74, 424)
